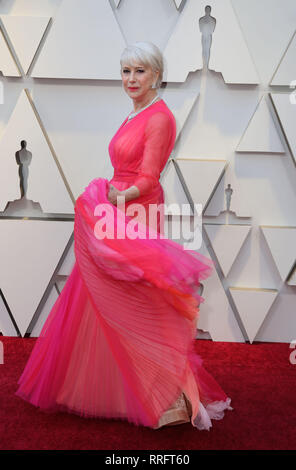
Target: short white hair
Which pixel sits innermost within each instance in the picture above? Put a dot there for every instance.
(147, 54)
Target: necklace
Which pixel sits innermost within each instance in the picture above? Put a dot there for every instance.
(133, 114)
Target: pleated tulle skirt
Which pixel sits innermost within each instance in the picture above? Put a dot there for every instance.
(119, 340)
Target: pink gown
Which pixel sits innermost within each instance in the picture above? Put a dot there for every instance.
(119, 340)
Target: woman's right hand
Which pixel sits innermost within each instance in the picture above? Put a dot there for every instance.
(112, 194)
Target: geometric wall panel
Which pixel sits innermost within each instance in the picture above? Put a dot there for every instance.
(68, 263)
(183, 51)
(292, 279)
(267, 42)
(180, 230)
(253, 306)
(6, 325)
(178, 3)
(261, 134)
(173, 190)
(282, 244)
(25, 33)
(60, 284)
(29, 252)
(286, 71)
(45, 183)
(201, 177)
(38, 325)
(73, 48)
(229, 36)
(224, 200)
(227, 241)
(181, 104)
(280, 325)
(286, 112)
(216, 315)
(7, 65)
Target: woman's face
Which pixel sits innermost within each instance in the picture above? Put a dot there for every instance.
(137, 79)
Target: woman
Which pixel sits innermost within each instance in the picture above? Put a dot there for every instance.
(119, 341)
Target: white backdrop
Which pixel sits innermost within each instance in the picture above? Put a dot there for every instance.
(60, 92)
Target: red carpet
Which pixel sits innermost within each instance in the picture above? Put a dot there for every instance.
(259, 378)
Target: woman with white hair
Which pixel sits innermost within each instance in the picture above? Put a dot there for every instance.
(120, 340)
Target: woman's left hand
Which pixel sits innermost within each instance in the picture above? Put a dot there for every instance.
(113, 194)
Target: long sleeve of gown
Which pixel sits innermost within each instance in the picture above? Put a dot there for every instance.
(158, 134)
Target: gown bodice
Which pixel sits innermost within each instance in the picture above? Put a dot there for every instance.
(141, 147)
